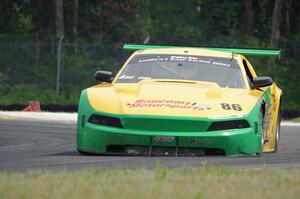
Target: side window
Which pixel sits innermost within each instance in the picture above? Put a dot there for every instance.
(249, 75)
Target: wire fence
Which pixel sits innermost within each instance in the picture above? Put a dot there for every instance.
(33, 67)
(29, 70)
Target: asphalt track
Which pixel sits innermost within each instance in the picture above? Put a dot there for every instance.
(27, 145)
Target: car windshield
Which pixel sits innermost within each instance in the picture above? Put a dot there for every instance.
(223, 71)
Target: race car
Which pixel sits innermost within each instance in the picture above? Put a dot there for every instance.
(181, 101)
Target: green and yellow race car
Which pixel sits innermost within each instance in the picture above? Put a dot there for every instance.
(177, 101)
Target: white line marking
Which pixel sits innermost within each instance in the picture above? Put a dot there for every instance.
(39, 116)
(288, 123)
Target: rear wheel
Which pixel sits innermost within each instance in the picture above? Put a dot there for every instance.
(277, 136)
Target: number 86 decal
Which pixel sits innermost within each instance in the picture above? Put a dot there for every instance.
(235, 107)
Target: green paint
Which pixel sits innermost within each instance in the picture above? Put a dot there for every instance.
(133, 47)
(267, 95)
(191, 132)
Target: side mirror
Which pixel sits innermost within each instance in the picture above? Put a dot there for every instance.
(103, 76)
(261, 82)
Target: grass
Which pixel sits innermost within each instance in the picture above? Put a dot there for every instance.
(297, 119)
(205, 182)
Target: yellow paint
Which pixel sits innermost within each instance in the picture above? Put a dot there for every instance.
(276, 93)
(117, 98)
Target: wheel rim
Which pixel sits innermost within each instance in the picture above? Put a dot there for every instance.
(262, 139)
(262, 132)
(277, 134)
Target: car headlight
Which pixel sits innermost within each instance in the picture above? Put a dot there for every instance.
(105, 120)
(225, 125)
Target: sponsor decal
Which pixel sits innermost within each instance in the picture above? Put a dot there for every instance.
(197, 140)
(133, 77)
(273, 102)
(172, 104)
(163, 138)
(180, 58)
(267, 118)
(125, 137)
(126, 77)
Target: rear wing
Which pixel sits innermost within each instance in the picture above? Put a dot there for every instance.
(243, 51)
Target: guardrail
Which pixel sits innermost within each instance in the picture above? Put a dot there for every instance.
(44, 107)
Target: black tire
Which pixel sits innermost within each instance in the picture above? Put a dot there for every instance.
(277, 138)
(83, 152)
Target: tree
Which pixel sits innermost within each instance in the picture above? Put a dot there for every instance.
(59, 19)
(43, 20)
(276, 20)
(75, 23)
(287, 10)
(248, 16)
(59, 29)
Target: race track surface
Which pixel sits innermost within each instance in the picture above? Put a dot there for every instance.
(39, 145)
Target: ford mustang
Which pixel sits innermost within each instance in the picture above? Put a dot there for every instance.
(177, 101)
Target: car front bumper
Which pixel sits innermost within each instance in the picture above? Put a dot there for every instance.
(151, 135)
(110, 140)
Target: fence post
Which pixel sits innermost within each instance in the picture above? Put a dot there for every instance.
(58, 64)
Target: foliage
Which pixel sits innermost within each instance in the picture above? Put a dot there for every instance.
(94, 37)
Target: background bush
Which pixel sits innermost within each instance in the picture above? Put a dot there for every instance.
(95, 31)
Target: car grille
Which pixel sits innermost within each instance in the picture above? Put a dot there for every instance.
(162, 151)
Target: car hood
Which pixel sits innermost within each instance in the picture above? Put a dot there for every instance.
(188, 99)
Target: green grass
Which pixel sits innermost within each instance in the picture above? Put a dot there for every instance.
(297, 119)
(205, 182)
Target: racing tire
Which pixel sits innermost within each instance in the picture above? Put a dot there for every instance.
(262, 133)
(277, 136)
(83, 152)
